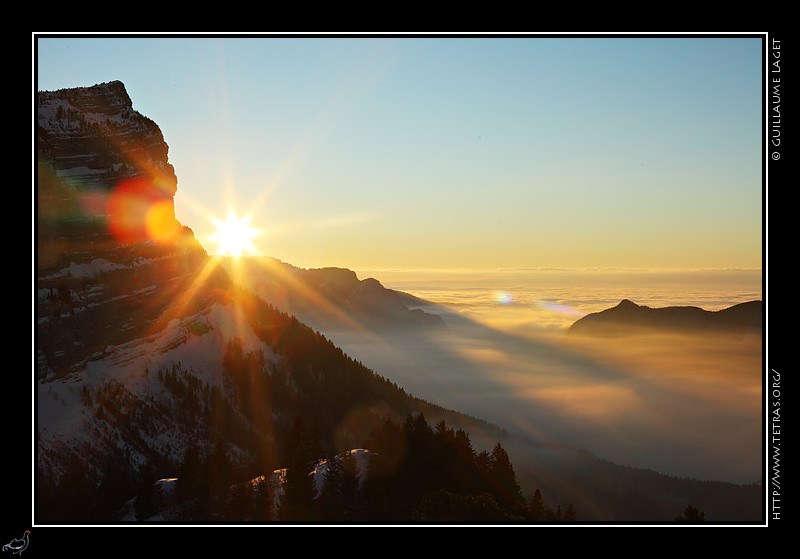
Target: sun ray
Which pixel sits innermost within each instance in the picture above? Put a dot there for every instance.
(234, 235)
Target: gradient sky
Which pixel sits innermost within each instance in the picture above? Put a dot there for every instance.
(486, 152)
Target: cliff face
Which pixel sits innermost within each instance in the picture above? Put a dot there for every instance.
(103, 176)
(92, 137)
(108, 245)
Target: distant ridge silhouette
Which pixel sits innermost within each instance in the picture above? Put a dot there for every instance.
(334, 298)
(628, 318)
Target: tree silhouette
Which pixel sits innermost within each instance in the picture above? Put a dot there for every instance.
(504, 479)
(192, 488)
(297, 501)
(350, 491)
(691, 515)
(149, 499)
(264, 498)
(444, 506)
(330, 499)
(536, 506)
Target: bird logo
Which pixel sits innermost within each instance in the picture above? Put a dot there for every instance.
(18, 545)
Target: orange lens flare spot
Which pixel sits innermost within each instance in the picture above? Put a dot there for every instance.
(160, 221)
(137, 211)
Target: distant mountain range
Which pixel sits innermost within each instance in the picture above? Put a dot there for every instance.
(330, 298)
(628, 318)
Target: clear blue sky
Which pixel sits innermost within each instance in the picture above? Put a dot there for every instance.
(484, 152)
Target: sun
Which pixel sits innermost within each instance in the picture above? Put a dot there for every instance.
(234, 236)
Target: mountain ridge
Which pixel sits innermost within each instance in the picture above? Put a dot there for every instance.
(330, 298)
(627, 318)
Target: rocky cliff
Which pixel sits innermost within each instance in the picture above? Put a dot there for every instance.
(110, 254)
(103, 175)
(92, 137)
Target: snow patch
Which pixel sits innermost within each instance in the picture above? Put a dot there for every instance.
(196, 342)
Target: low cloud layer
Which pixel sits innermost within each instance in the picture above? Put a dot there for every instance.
(684, 406)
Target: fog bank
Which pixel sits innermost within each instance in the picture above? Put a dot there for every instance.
(679, 405)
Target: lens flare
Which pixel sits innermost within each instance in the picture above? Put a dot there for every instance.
(560, 308)
(503, 297)
(137, 210)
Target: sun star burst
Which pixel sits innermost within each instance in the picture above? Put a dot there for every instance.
(234, 235)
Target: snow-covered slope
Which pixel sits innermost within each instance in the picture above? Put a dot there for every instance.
(70, 409)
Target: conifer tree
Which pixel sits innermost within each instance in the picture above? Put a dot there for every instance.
(351, 497)
(219, 472)
(298, 489)
(192, 487)
(569, 514)
(536, 506)
(239, 504)
(691, 515)
(149, 499)
(330, 498)
(504, 479)
(264, 498)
